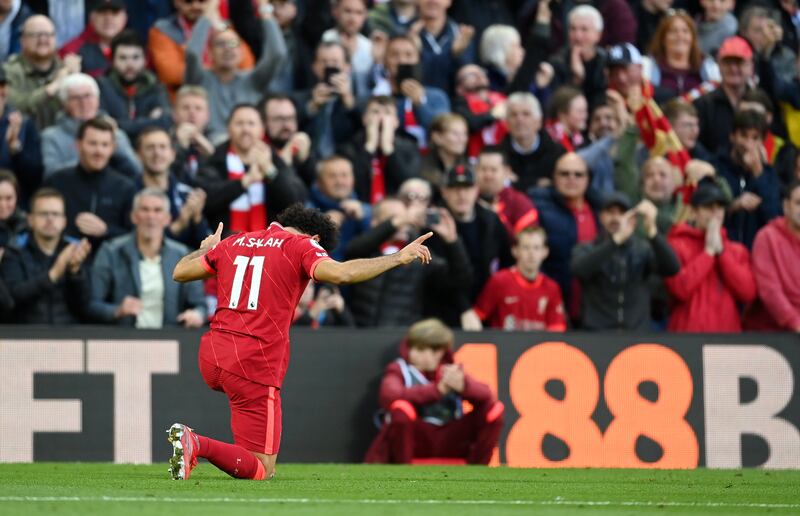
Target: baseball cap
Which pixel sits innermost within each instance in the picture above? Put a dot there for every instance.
(616, 199)
(709, 192)
(735, 46)
(623, 54)
(112, 5)
(459, 175)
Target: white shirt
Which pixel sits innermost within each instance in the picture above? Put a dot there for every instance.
(152, 294)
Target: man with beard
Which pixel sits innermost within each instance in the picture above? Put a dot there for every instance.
(483, 109)
(293, 147)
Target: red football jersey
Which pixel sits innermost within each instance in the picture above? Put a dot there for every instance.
(260, 278)
(511, 302)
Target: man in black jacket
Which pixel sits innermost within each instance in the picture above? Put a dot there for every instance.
(46, 275)
(98, 199)
(614, 269)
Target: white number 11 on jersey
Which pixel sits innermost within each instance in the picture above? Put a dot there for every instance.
(241, 263)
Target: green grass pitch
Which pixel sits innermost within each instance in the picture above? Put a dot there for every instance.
(330, 489)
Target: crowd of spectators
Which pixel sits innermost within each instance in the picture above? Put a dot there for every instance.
(602, 164)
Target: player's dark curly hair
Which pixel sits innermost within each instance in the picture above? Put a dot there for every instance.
(312, 222)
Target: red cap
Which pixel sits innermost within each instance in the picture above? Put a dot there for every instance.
(735, 47)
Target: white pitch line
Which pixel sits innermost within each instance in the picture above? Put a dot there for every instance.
(367, 501)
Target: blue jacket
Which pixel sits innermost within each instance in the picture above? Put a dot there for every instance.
(435, 103)
(27, 163)
(23, 14)
(350, 227)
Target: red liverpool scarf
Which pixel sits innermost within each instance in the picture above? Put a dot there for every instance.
(248, 212)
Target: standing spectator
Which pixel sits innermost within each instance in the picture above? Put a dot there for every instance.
(649, 14)
(569, 113)
(129, 93)
(71, 16)
(448, 147)
(446, 46)
(483, 109)
(46, 275)
(35, 74)
(761, 27)
(716, 109)
(13, 221)
(80, 97)
(191, 137)
(383, 156)
(493, 176)
(328, 111)
(245, 188)
(776, 253)
(615, 269)
(186, 204)
(715, 272)
(716, 24)
(683, 118)
(13, 14)
(291, 145)
(531, 151)
(132, 274)
(521, 298)
(421, 394)
(107, 19)
(567, 212)
(20, 145)
(393, 18)
(224, 82)
(168, 38)
(333, 194)
(417, 105)
(350, 16)
(753, 182)
(98, 199)
(501, 51)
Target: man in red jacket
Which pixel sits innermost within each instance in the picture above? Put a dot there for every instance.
(776, 255)
(715, 272)
(422, 393)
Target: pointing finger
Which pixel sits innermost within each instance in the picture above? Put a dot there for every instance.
(423, 237)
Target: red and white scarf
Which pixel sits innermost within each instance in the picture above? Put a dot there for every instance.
(248, 212)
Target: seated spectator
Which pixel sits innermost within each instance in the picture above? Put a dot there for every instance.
(445, 45)
(245, 188)
(80, 97)
(12, 15)
(493, 177)
(683, 118)
(46, 275)
(350, 16)
(131, 94)
(186, 204)
(393, 18)
(333, 194)
(292, 146)
(326, 308)
(20, 149)
(676, 64)
(71, 15)
(417, 105)
(404, 295)
(569, 113)
(168, 39)
(483, 109)
(294, 74)
(35, 74)
(776, 253)
(383, 156)
(581, 63)
(530, 150)
(484, 236)
(715, 272)
(107, 19)
(753, 183)
(615, 269)
(13, 221)
(448, 147)
(716, 109)
(328, 111)
(191, 137)
(501, 51)
(421, 395)
(97, 197)
(568, 213)
(716, 24)
(224, 82)
(520, 298)
(132, 274)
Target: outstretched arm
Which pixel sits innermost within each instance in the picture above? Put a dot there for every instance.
(191, 267)
(356, 271)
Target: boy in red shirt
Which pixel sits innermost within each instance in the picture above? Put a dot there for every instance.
(521, 297)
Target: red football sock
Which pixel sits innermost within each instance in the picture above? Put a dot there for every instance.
(233, 460)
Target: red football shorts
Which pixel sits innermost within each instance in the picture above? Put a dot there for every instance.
(255, 409)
